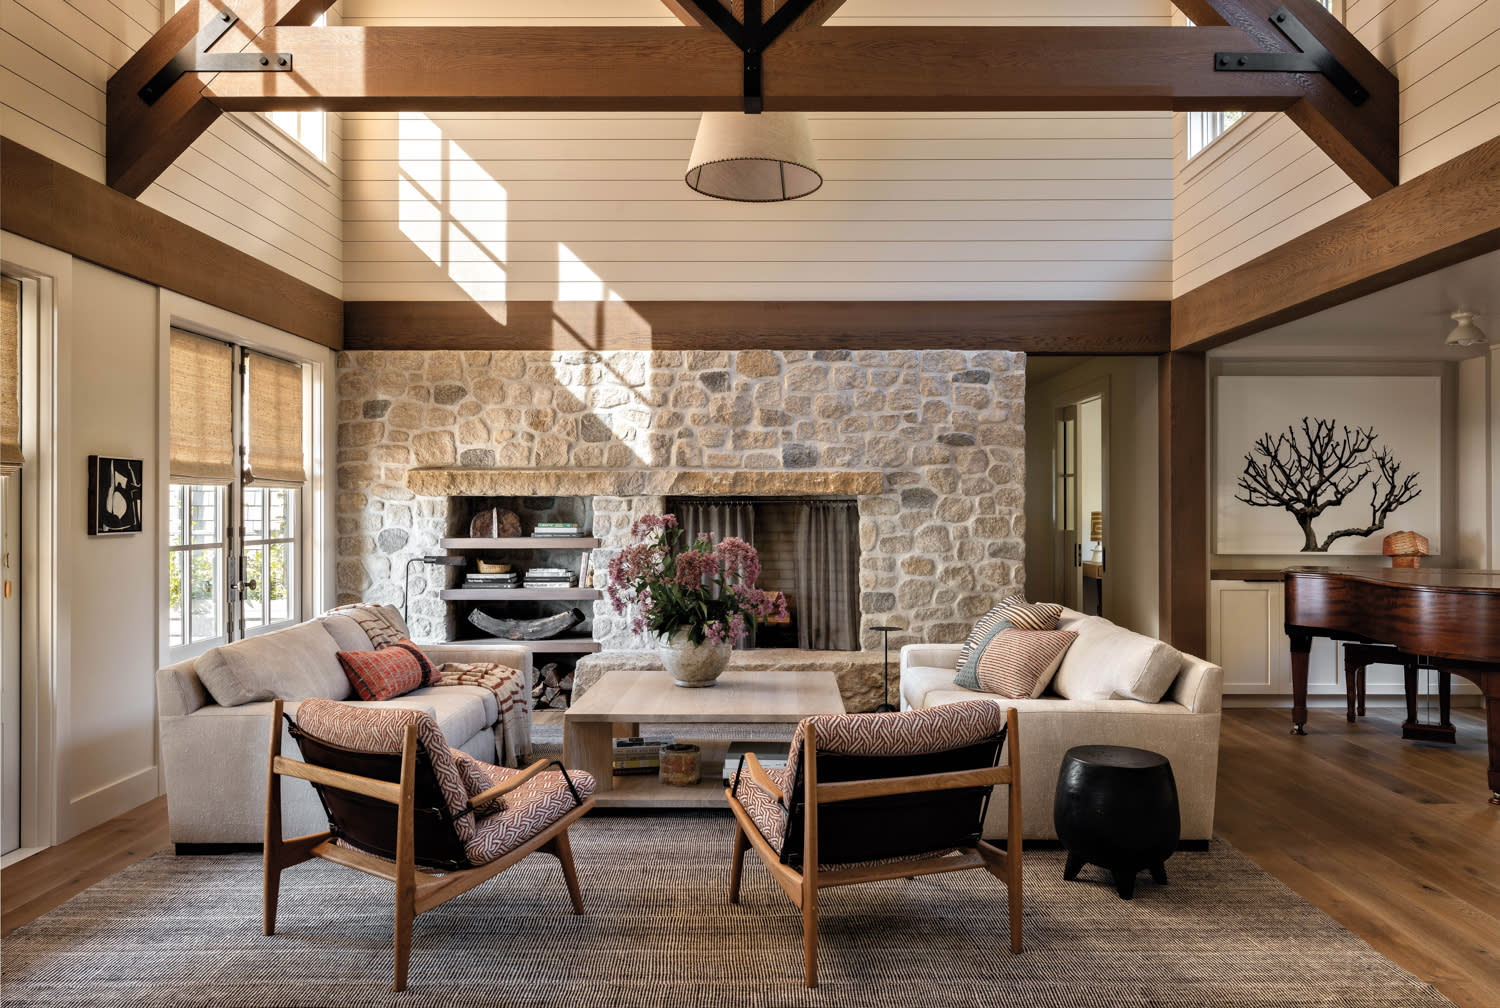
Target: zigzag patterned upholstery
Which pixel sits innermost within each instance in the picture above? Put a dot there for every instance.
(911, 733)
(523, 814)
(382, 730)
(528, 810)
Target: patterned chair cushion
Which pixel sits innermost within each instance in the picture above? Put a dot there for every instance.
(529, 810)
(383, 730)
(382, 674)
(1020, 663)
(899, 733)
(768, 814)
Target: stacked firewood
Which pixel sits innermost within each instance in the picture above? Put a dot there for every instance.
(552, 691)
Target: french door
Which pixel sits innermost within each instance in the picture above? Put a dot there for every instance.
(235, 501)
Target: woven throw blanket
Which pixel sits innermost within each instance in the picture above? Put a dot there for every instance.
(512, 726)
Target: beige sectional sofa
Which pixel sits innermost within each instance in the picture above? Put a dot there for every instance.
(1094, 700)
(214, 753)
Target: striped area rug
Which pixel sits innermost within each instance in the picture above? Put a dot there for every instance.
(659, 933)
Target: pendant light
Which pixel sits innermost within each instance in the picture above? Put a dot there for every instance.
(763, 158)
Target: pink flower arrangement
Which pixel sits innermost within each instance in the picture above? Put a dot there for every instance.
(705, 588)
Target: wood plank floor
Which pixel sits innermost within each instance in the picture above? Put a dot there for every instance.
(1395, 840)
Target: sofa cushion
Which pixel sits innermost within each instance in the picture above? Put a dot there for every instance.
(382, 673)
(985, 628)
(293, 664)
(347, 633)
(1110, 661)
(1020, 663)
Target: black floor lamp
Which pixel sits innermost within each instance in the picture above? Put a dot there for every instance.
(886, 633)
(441, 561)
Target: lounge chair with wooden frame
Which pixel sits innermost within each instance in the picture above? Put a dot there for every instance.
(868, 797)
(404, 807)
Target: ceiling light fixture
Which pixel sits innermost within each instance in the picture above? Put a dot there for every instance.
(1466, 333)
(763, 158)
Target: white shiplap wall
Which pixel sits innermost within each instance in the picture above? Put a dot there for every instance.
(1263, 183)
(587, 205)
(242, 182)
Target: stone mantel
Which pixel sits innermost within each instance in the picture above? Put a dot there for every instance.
(461, 482)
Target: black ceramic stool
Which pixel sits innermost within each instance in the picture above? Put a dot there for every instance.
(1116, 807)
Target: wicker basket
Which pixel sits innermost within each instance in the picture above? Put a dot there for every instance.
(1406, 549)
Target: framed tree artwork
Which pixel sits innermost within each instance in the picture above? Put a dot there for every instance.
(116, 487)
(1324, 464)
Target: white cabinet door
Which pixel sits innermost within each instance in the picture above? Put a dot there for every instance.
(1245, 636)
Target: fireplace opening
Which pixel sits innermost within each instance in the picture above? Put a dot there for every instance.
(809, 551)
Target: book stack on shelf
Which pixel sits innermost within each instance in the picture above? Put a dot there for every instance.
(557, 530)
(510, 579)
(772, 756)
(638, 754)
(550, 577)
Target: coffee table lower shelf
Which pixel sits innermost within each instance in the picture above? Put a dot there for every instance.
(647, 790)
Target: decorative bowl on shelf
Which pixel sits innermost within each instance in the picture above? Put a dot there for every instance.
(485, 567)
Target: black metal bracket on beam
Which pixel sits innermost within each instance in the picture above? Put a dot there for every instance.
(195, 58)
(1313, 58)
(753, 37)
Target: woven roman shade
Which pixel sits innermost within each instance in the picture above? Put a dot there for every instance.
(10, 374)
(202, 409)
(274, 416)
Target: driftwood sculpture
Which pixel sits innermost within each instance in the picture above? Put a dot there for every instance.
(1309, 472)
(533, 629)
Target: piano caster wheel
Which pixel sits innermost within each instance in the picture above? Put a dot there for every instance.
(1298, 729)
(1495, 797)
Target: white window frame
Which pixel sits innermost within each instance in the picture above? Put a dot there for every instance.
(315, 512)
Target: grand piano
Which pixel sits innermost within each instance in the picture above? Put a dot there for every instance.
(1451, 618)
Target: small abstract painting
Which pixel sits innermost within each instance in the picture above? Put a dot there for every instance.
(116, 487)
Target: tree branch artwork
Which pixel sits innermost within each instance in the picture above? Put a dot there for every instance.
(1317, 468)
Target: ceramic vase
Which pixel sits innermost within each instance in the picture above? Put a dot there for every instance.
(693, 664)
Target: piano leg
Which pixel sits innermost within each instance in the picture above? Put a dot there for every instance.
(1301, 648)
(1492, 725)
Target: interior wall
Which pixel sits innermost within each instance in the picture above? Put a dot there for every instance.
(1130, 519)
(99, 601)
(592, 206)
(242, 182)
(1264, 182)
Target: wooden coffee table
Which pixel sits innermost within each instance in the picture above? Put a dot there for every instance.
(624, 698)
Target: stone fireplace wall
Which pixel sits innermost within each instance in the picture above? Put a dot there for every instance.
(944, 427)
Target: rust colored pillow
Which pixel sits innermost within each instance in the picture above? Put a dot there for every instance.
(430, 673)
(382, 674)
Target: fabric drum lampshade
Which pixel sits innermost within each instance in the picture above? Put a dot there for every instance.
(762, 158)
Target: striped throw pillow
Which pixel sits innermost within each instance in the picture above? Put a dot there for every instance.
(1020, 663)
(984, 629)
(430, 673)
(1033, 615)
(381, 674)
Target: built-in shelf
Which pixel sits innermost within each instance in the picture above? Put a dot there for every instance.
(521, 594)
(552, 645)
(527, 542)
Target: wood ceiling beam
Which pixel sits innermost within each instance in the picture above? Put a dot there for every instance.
(1049, 327)
(690, 69)
(1362, 139)
(141, 139)
(1439, 218)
